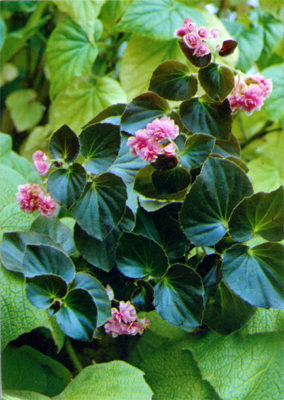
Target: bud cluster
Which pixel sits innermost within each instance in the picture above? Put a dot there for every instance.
(41, 162)
(31, 197)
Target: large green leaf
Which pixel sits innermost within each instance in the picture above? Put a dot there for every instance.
(264, 321)
(64, 144)
(101, 206)
(141, 18)
(241, 369)
(89, 95)
(208, 206)
(255, 274)
(262, 213)
(2, 32)
(178, 297)
(274, 103)
(138, 256)
(196, 149)
(216, 80)
(99, 145)
(115, 380)
(70, 54)
(204, 115)
(23, 395)
(42, 291)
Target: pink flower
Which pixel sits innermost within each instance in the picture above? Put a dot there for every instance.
(187, 27)
(264, 84)
(203, 32)
(170, 150)
(163, 128)
(138, 326)
(143, 145)
(201, 50)
(192, 40)
(215, 33)
(28, 197)
(127, 312)
(41, 163)
(46, 205)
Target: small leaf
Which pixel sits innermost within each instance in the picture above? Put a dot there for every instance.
(228, 47)
(255, 274)
(195, 60)
(43, 290)
(66, 185)
(64, 144)
(227, 147)
(178, 297)
(172, 81)
(99, 145)
(216, 80)
(196, 149)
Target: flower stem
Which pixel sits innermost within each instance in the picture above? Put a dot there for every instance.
(72, 356)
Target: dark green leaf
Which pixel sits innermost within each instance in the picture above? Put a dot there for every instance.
(43, 260)
(101, 206)
(77, 316)
(109, 115)
(172, 81)
(196, 149)
(256, 274)
(170, 181)
(97, 291)
(64, 144)
(196, 61)
(138, 256)
(262, 213)
(228, 147)
(66, 185)
(43, 290)
(142, 110)
(208, 206)
(178, 297)
(216, 80)
(128, 221)
(203, 115)
(99, 145)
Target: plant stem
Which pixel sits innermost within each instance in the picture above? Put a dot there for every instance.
(258, 135)
(72, 356)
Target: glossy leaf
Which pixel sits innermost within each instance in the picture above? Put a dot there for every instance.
(196, 149)
(216, 80)
(255, 274)
(101, 206)
(77, 316)
(43, 260)
(142, 110)
(66, 185)
(138, 257)
(262, 214)
(64, 144)
(195, 60)
(170, 181)
(178, 297)
(110, 115)
(99, 145)
(172, 81)
(208, 206)
(228, 147)
(228, 47)
(203, 115)
(43, 290)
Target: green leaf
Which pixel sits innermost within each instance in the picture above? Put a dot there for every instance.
(43, 260)
(43, 290)
(178, 297)
(203, 115)
(23, 395)
(25, 110)
(137, 67)
(216, 80)
(116, 379)
(139, 256)
(97, 291)
(141, 110)
(172, 81)
(196, 149)
(2, 32)
(64, 144)
(228, 147)
(101, 206)
(77, 316)
(241, 369)
(208, 206)
(70, 55)
(262, 214)
(195, 60)
(226, 312)
(36, 140)
(141, 18)
(255, 274)
(66, 185)
(264, 321)
(110, 115)
(99, 145)
(170, 181)
(274, 103)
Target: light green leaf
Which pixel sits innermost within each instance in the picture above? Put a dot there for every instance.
(274, 103)
(23, 395)
(9, 71)
(70, 54)
(37, 140)
(90, 96)
(115, 380)
(2, 32)
(264, 321)
(25, 110)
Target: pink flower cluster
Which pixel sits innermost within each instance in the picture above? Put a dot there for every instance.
(41, 162)
(196, 38)
(249, 93)
(125, 321)
(149, 143)
(31, 197)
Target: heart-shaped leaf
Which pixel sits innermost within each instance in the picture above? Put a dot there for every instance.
(228, 47)
(66, 185)
(262, 213)
(43, 290)
(101, 207)
(110, 114)
(256, 274)
(216, 80)
(170, 181)
(204, 115)
(207, 208)
(196, 149)
(228, 147)
(196, 61)
(99, 145)
(138, 256)
(178, 297)
(64, 144)
(172, 81)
